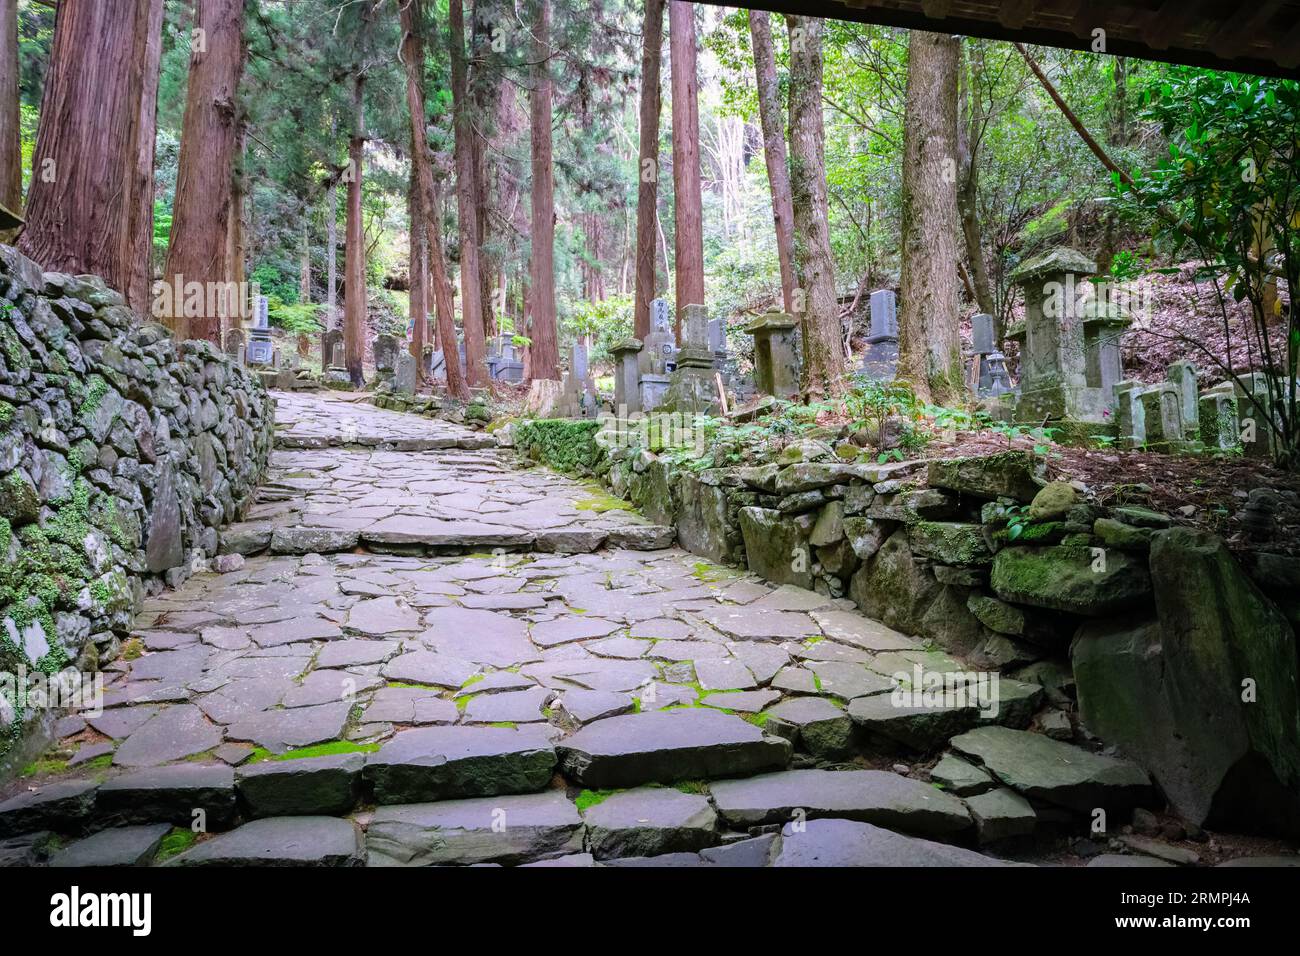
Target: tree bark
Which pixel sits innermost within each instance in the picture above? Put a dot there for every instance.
(304, 257)
(774, 152)
(819, 319)
(83, 202)
(471, 287)
(331, 261)
(544, 363)
(209, 138)
(139, 295)
(412, 56)
(354, 255)
(928, 340)
(484, 91)
(647, 195)
(689, 234)
(236, 230)
(11, 147)
(419, 283)
(969, 127)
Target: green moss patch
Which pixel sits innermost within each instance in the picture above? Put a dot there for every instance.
(567, 445)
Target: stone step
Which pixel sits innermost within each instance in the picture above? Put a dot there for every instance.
(650, 820)
(118, 846)
(381, 442)
(1057, 773)
(689, 743)
(280, 841)
(171, 794)
(498, 829)
(59, 804)
(838, 842)
(870, 796)
(309, 786)
(439, 763)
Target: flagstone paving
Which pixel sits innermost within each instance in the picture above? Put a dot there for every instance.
(362, 706)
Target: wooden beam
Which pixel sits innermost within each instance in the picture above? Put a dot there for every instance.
(1286, 51)
(1234, 35)
(936, 9)
(1013, 13)
(1165, 25)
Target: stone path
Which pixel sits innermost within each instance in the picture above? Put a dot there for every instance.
(353, 696)
(348, 474)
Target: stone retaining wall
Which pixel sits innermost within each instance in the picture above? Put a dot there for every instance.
(120, 455)
(1152, 637)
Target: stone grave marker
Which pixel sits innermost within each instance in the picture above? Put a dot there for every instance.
(404, 378)
(776, 359)
(880, 360)
(627, 375)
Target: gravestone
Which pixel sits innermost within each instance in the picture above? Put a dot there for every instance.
(260, 349)
(404, 377)
(1254, 408)
(1162, 409)
(385, 349)
(1182, 375)
(1130, 417)
(234, 344)
(336, 374)
(503, 361)
(1103, 324)
(880, 359)
(327, 340)
(658, 357)
(983, 347)
(627, 375)
(692, 386)
(776, 357)
(1217, 414)
(577, 393)
(1054, 379)
(981, 325)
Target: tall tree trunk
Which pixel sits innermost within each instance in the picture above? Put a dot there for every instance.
(85, 192)
(331, 260)
(11, 147)
(647, 194)
(236, 231)
(819, 319)
(209, 139)
(304, 257)
(545, 350)
(689, 234)
(970, 125)
(778, 167)
(471, 288)
(419, 284)
(139, 294)
(928, 340)
(484, 92)
(412, 56)
(354, 257)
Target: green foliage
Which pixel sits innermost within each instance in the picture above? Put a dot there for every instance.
(606, 323)
(567, 445)
(1228, 192)
(296, 318)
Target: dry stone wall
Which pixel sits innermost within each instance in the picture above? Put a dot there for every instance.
(1154, 637)
(121, 453)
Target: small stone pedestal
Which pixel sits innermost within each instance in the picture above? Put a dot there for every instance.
(776, 359)
(692, 387)
(627, 375)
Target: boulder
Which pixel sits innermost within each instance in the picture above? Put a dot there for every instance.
(776, 546)
(702, 519)
(1057, 773)
(1091, 582)
(1053, 501)
(950, 542)
(894, 587)
(1206, 696)
(1011, 474)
